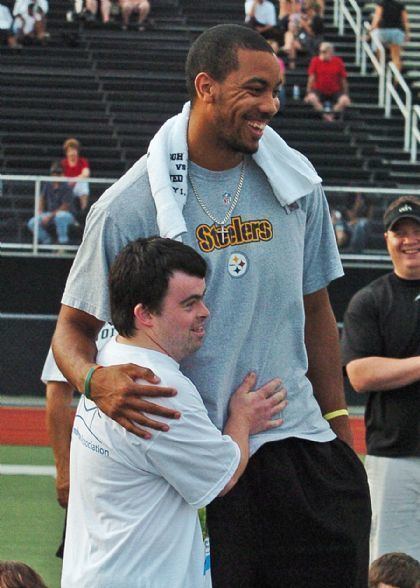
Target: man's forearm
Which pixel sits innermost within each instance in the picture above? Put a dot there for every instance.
(74, 345)
(58, 411)
(370, 374)
(324, 360)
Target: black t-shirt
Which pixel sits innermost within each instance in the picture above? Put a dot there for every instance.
(317, 25)
(383, 319)
(391, 14)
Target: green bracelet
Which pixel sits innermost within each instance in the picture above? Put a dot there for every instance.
(88, 379)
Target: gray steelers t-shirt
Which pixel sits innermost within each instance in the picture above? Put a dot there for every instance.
(271, 257)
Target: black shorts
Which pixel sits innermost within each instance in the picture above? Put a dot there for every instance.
(331, 97)
(299, 517)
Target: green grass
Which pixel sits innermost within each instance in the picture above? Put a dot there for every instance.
(31, 520)
(15, 454)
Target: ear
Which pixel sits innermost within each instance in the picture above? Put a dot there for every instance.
(205, 87)
(142, 316)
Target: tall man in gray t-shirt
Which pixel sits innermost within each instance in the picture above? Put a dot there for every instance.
(300, 515)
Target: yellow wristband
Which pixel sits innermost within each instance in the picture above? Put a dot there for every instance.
(336, 413)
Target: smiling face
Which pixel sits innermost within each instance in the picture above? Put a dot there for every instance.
(403, 242)
(244, 102)
(179, 326)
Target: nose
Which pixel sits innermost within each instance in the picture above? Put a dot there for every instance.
(203, 310)
(270, 105)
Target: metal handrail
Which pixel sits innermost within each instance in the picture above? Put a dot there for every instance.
(355, 23)
(378, 64)
(34, 248)
(415, 133)
(405, 108)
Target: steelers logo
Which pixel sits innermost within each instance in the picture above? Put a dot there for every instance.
(237, 265)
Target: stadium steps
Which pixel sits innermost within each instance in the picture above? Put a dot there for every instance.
(130, 82)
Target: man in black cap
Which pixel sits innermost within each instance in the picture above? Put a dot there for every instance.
(381, 354)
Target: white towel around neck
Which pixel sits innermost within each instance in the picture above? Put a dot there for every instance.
(167, 167)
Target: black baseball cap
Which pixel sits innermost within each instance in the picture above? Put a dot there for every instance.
(405, 209)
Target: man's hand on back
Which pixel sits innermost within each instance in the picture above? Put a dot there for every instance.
(116, 393)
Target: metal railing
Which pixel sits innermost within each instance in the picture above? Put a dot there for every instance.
(17, 248)
(393, 74)
(36, 248)
(378, 64)
(355, 22)
(386, 75)
(415, 133)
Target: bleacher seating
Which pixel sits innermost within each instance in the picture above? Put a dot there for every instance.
(112, 89)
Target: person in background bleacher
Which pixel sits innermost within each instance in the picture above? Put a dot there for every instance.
(75, 166)
(289, 9)
(282, 88)
(7, 36)
(304, 34)
(92, 10)
(54, 209)
(130, 6)
(327, 83)
(30, 20)
(352, 223)
(381, 355)
(390, 26)
(260, 15)
(312, 28)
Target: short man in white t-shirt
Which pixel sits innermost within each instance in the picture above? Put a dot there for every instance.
(132, 516)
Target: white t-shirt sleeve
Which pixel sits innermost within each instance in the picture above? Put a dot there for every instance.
(321, 258)
(50, 371)
(194, 457)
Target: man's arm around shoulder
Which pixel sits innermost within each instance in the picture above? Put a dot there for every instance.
(112, 388)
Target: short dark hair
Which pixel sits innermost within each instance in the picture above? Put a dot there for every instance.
(15, 574)
(140, 275)
(216, 52)
(397, 569)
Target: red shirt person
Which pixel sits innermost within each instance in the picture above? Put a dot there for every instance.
(75, 166)
(327, 82)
